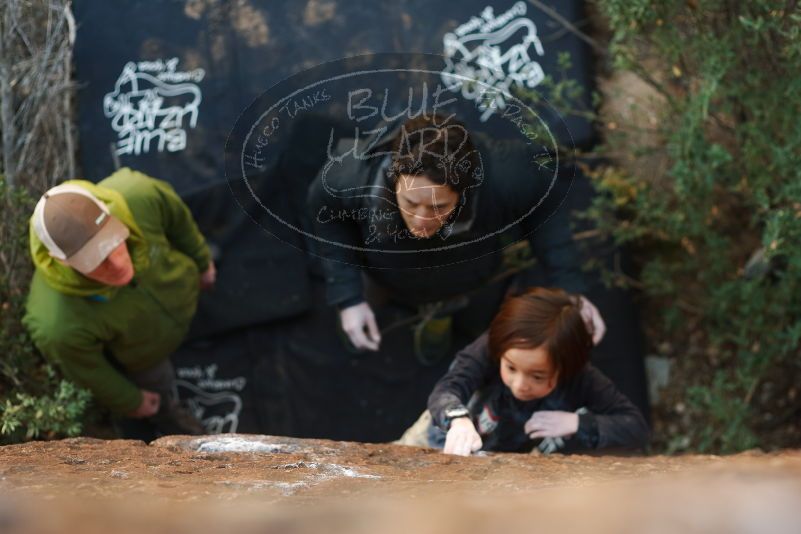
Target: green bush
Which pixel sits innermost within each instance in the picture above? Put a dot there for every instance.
(34, 401)
(705, 193)
(717, 233)
(57, 413)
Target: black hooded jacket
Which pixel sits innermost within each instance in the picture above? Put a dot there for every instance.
(357, 224)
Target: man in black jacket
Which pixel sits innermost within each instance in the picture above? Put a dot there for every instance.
(427, 210)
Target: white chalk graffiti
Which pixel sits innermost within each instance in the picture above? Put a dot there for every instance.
(494, 50)
(152, 101)
(211, 398)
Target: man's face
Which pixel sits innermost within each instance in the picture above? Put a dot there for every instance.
(424, 205)
(116, 270)
(528, 373)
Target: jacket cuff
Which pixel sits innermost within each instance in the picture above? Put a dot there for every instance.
(441, 420)
(202, 258)
(587, 432)
(347, 303)
(127, 401)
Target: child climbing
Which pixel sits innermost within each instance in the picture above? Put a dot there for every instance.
(527, 383)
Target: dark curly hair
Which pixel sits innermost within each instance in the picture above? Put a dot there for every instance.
(437, 148)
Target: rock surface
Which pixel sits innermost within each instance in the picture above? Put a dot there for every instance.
(263, 483)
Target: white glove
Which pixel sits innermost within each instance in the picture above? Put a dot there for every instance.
(551, 424)
(359, 324)
(462, 438)
(592, 318)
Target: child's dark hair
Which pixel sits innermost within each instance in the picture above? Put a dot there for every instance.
(543, 317)
(439, 149)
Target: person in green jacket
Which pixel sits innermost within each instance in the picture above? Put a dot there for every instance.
(119, 266)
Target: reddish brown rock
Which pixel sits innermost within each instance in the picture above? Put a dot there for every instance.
(264, 483)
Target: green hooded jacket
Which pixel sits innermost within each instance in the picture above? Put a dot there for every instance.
(75, 321)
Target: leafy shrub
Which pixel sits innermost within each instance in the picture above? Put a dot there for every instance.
(56, 413)
(34, 401)
(716, 228)
(700, 120)
(38, 151)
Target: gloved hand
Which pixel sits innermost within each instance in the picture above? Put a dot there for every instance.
(551, 424)
(359, 324)
(462, 438)
(149, 406)
(592, 318)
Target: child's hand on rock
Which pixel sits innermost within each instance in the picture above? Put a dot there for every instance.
(462, 438)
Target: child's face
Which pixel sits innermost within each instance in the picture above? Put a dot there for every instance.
(528, 373)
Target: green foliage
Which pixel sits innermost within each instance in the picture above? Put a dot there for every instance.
(57, 413)
(706, 193)
(34, 401)
(727, 79)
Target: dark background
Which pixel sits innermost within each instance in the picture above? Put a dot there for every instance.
(264, 349)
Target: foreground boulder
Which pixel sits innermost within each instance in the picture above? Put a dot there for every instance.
(248, 483)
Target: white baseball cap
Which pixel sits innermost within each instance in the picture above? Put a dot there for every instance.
(76, 227)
